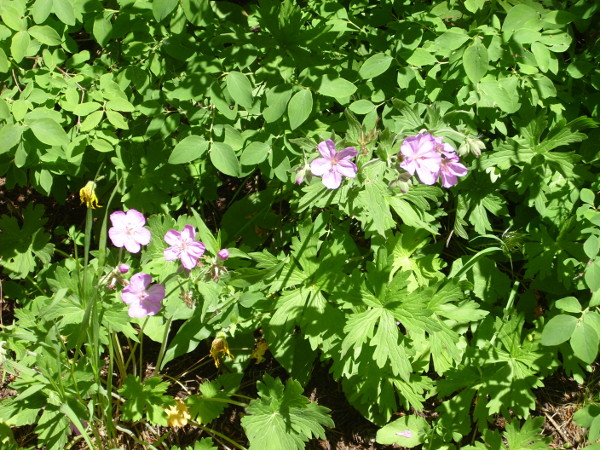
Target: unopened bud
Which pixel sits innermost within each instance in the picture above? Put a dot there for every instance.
(124, 268)
(223, 254)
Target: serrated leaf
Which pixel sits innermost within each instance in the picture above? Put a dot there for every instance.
(49, 132)
(224, 159)
(188, 149)
(475, 61)
(240, 89)
(299, 108)
(375, 65)
(283, 418)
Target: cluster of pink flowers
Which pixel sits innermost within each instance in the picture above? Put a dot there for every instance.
(128, 230)
(432, 159)
(429, 157)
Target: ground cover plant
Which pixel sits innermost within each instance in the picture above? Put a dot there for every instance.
(207, 202)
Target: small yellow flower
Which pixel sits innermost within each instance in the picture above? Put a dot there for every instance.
(219, 346)
(178, 414)
(87, 194)
(259, 351)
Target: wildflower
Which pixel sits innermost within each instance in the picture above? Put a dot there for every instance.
(450, 169)
(87, 194)
(143, 301)
(405, 433)
(259, 351)
(184, 247)
(124, 268)
(420, 155)
(303, 173)
(219, 347)
(128, 230)
(223, 254)
(178, 414)
(334, 165)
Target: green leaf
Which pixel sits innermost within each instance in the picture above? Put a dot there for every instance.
(45, 34)
(337, 88)
(375, 65)
(145, 399)
(91, 121)
(584, 342)
(102, 29)
(569, 304)
(64, 11)
(475, 61)
(49, 132)
(592, 275)
(10, 135)
(421, 57)
(162, 8)
(299, 108)
(117, 120)
(120, 104)
(282, 418)
(587, 196)
(408, 431)
(500, 93)
(12, 17)
(559, 329)
(361, 107)
(209, 405)
(40, 10)
(240, 89)
(277, 101)
(591, 246)
(224, 159)
(521, 16)
(542, 55)
(86, 108)
(18, 45)
(102, 145)
(255, 153)
(188, 149)
(4, 64)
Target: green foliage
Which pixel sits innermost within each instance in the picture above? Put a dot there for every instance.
(282, 417)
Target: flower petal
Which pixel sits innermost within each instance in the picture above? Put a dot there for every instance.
(187, 260)
(156, 293)
(140, 281)
(132, 246)
(426, 176)
(327, 148)
(137, 311)
(347, 153)
(118, 219)
(320, 166)
(346, 168)
(173, 237)
(142, 236)
(150, 307)
(136, 218)
(332, 179)
(188, 233)
(117, 236)
(172, 253)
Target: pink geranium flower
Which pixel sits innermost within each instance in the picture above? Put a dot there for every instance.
(420, 156)
(128, 230)
(450, 169)
(143, 300)
(184, 247)
(334, 165)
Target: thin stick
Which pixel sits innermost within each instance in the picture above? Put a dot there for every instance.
(553, 422)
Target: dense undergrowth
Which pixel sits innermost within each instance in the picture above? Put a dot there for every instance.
(402, 191)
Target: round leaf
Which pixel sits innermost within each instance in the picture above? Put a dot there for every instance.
(18, 45)
(584, 342)
(408, 431)
(10, 135)
(299, 108)
(569, 304)
(591, 246)
(223, 158)
(475, 61)
(240, 89)
(45, 34)
(558, 329)
(375, 65)
(337, 88)
(362, 107)
(188, 149)
(255, 153)
(592, 275)
(49, 132)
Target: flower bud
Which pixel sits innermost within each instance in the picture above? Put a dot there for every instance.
(223, 254)
(124, 268)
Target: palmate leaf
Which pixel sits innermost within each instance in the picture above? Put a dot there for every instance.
(282, 418)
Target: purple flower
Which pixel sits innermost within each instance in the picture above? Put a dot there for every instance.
(124, 268)
(421, 156)
(143, 301)
(334, 165)
(128, 230)
(184, 247)
(223, 254)
(450, 169)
